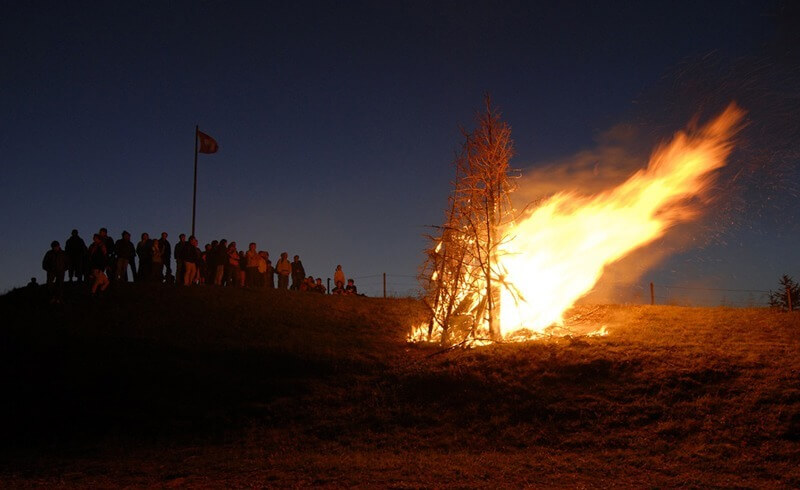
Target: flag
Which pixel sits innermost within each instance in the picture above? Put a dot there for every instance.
(207, 143)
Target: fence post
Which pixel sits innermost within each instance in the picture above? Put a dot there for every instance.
(384, 284)
(329, 285)
(789, 297)
(652, 294)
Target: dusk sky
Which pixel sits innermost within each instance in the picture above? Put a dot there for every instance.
(337, 121)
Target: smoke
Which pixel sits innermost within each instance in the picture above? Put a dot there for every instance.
(758, 189)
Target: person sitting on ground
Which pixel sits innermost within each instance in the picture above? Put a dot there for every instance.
(33, 283)
(319, 287)
(55, 264)
(339, 289)
(338, 276)
(351, 288)
(307, 284)
(76, 255)
(97, 262)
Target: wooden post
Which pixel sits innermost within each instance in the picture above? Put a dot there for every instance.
(652, 294)
(789, 297)
(329, 285)
(384, 284)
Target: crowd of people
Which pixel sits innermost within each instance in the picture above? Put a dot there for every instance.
(218, 263)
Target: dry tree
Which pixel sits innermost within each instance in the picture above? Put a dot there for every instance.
(463, 272)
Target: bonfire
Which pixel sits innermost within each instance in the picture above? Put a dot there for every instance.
(498, 274)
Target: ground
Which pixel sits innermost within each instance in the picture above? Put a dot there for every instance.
(165, 386)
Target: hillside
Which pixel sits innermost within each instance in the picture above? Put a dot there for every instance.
(167, 386)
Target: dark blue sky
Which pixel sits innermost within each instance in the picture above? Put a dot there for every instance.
(337, 121)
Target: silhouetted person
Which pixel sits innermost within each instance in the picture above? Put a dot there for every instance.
(262, 268)
(76, 255)
(179, 258)
(319, 287)
(351, 288)
(126, 255)
(98, 261)
(144, 250)
(191, 260)
(338, 277)
(166, 253)
(220, 255)
(251, 260)
(283, 268)
(55, 264)
(33, 284)
(157, 260)
(110, 252)
(232, 266)
(270, 275)
(298, 273)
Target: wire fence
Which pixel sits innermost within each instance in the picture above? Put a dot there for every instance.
(404, 285)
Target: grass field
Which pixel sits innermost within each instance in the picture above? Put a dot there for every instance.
(163, 386)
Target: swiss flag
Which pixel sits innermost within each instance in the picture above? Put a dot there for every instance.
(207, 143)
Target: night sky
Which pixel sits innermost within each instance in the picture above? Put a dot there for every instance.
(337, 121)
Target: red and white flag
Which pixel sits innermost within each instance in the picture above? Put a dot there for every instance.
(207, 143)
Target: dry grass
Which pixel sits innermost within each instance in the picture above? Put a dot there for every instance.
(204, 387)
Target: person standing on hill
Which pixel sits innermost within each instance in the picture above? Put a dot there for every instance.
(157, 260)
(251, 266)
(179, 253)
(338, 277)
(191, 261)
(55, 264)
(76, 255)
(166, 254)
(110, 252)
(98, 261)
(125, 255)
(284, 269)
(220, 255)
(298, 273)
(144, 250)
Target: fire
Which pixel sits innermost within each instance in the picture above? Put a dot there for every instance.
(555, 254)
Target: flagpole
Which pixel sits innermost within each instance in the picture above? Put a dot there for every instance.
(194, 194)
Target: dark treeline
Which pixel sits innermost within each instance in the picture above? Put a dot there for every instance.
(219, 263)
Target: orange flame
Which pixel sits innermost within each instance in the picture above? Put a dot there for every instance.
(557, 253)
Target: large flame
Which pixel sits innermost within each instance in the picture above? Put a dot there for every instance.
(557, 253)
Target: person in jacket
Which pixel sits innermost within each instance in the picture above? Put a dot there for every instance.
(232, 266)
(157, 260)
(110, 252)
(220, 255)
(166, 254)
(55, 264)
(76, 251)
(284, 269)
(298, 273)
(251, 260)
(179, 258)
(351, 288)
(125, 255)
(191, 261)
(144, 250)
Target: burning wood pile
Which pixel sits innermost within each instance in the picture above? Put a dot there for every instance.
(495, 273)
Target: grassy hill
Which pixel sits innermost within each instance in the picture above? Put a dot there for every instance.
(170, 386)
